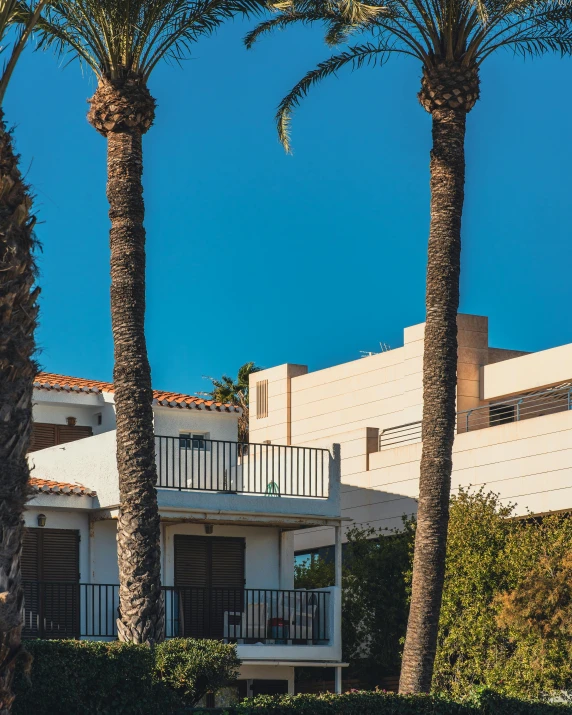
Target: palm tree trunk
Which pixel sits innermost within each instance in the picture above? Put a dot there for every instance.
(141, 609)
(439, 394)
(18, 312)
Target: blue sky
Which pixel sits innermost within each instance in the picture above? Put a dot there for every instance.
(310, 258)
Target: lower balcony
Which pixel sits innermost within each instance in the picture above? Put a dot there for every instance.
(243, 616)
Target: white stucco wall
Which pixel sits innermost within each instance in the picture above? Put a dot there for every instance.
(171, 421)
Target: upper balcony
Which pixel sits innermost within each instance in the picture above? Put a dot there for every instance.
(217, 478)
(495, 413)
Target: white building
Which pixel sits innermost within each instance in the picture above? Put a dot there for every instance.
(514, 430)
(228, 514)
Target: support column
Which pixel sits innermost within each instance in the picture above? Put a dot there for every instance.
(338, 557)
(338, 682)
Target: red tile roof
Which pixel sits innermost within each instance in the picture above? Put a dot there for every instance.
(46, 486)
(64, 383)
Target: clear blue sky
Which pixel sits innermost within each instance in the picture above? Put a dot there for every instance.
(255, 255)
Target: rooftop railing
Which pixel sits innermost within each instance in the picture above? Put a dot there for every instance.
(59, 609)
(271, 470)
(537, 404)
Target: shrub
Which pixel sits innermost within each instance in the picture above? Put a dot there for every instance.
(506, 619)
(382, 703)
(87, 677)
(112, 678)
(192, 668)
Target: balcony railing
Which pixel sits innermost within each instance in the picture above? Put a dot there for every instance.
(237, 467)
(546, 402)
(87, 610)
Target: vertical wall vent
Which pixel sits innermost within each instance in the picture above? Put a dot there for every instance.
(261, 399)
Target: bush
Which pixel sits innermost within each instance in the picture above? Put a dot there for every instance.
(112, 678)
(506, 619)
(382, 703)
(192, 668)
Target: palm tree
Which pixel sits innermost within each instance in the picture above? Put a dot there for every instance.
(235, 392)
(123, 41)
(18, 314)
(451, 39)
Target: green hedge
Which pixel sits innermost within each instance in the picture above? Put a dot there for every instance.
(74, 677)
(381, 703)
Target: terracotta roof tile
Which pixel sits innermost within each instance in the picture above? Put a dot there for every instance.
(46, 486)
(65, 383)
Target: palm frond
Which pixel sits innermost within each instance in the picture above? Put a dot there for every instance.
(115, 37)
(356, 56)
(15, 12)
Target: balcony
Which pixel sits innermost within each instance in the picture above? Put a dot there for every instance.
(523, 407)
(243, 616)
(272, 470)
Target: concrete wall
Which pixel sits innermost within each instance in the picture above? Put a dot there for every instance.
(351, 403)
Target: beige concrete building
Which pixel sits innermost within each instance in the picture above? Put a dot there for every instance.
(514, 425)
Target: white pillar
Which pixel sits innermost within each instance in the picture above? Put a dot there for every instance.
(338, 557)
(338, 680)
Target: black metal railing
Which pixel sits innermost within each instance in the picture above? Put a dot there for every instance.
(537, 404)
(85, 610)
(60, 609)
(238, 467)
(515, 409)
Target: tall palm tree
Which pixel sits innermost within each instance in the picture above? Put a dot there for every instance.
(123, 41)
(18, 314)
(451, 39)
(235, 392)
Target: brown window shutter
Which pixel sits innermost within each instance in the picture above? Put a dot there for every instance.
(43, 436)
(227, 570)
(66, 434)
(191, 561)
(201, 564)
(29, 560)
(50, 569)
(46, 435)
(60, 555)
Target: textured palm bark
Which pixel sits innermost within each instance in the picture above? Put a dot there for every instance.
(141, 613)
(439, 393)
(18, 313)
(122, 111)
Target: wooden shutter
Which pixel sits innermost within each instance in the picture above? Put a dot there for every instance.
(66, 433)
(43, 436)
(50, 569)
(201, 565)
(227, 563)
(46, 435)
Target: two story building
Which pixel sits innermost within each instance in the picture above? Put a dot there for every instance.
(228, 515)
(514, 426)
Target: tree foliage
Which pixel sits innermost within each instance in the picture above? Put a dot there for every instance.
(235, 392)
(506, 617)
(457, 32)
(376, 576)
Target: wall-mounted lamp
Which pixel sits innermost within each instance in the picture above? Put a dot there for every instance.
(209, 528)
(71, 421)
(41, 519)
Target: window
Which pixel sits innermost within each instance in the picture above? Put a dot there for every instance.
(193, 440)
(261, 399)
